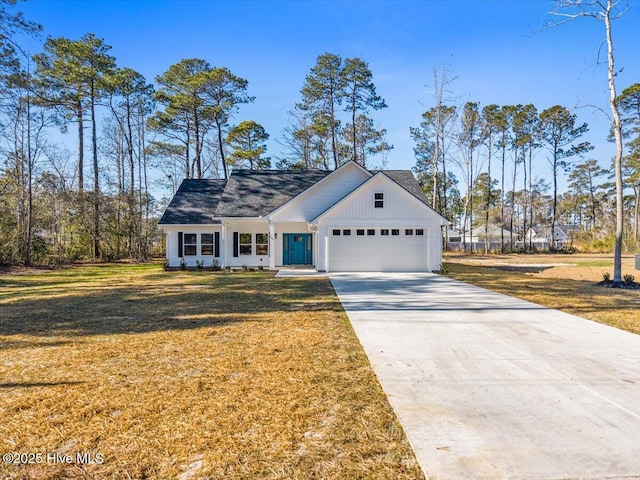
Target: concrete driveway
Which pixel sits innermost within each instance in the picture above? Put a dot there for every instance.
(488, 386)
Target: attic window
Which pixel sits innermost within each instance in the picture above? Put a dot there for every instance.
(378, 200)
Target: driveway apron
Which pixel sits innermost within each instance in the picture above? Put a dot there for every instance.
(489, 386)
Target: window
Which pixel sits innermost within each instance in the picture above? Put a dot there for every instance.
(262, 244)
(419, 231)
(244, 241)
(190, 243)
(384, 231)
(408, 231)
(395, 231)
(336, 232)
(378, 200)
(371, 231)
(206, 244)
(360, 232)
(346, 232)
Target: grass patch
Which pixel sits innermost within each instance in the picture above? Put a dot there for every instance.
(564, 282)
(189, 375)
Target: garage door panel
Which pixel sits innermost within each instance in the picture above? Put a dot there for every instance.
(389, 253)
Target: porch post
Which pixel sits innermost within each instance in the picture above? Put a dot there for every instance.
(272, 245)
(223, 243)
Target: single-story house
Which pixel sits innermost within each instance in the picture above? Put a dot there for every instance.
(349, 219)
(540, 235)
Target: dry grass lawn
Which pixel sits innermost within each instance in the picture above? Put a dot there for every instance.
(564, 282)
(188, 375)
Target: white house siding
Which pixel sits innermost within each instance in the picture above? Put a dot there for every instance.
(245, 226)
(173, 257)
(401, 211)
(322, 195)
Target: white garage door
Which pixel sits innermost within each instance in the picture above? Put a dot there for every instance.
(378, 250)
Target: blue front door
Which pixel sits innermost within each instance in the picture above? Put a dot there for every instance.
(296, 249)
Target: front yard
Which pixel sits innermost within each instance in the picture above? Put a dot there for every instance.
(151, 374)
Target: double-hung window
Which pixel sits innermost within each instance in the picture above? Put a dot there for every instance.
(206, 244)
(190, 244)
(244, 244)
(378, 200)
(262, 244)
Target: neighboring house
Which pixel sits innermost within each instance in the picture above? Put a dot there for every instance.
(540, 235)
(458, 239)
(350, 219)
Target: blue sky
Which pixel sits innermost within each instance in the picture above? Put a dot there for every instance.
(496, 49)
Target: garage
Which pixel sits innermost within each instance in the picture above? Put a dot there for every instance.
(375, 249)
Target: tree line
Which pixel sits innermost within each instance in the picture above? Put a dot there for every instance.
(478, 166)
(132, 135)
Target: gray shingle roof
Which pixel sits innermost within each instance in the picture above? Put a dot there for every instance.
(405, 179)
(195, 202)
(250, 193)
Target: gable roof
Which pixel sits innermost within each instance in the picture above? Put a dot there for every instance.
(316, 185)
(404, 179)
(195, 202)
(252, 193)
(256, 193)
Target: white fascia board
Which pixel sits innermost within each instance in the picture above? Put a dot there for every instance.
(312, 187)
(180, 225)
(245, 219)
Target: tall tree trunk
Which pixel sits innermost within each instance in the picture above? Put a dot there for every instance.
(97, 250)
(334, 145)
(198, 153)
(617, 133)
(471, 197)
(552, 240)
(221, 147)
(524, 198)
(80, 151)
(530, 199)
(131, 203)
(502, 197)
(353, 126)
(436, 155)
(488, 204)
(121, 194)
(513, 201)
(592, 197)
(636, 214)
(29, 232)
(445, 203)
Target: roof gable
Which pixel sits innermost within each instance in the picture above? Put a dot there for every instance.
(254, 193)
(321, 195)
(194, 203)
(401, 178)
